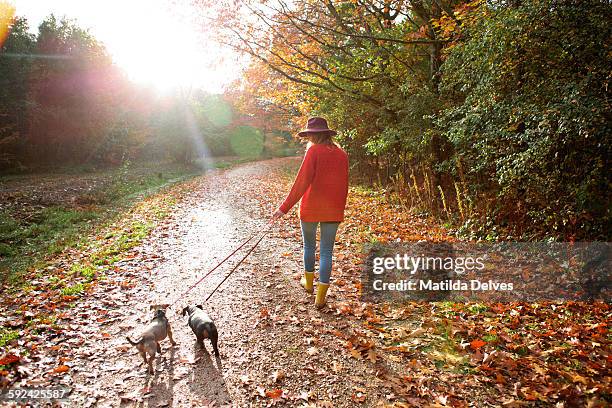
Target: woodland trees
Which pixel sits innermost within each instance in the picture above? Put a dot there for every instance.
(492, 115)
(499, 110)
(14, 89)
(64, 102)
(528, 111)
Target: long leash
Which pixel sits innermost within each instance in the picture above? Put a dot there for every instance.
(238, 264)
(265, 229)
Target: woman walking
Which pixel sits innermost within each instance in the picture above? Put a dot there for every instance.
(322, 184)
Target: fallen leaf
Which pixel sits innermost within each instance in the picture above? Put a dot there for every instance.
(312, 351)
(304, 395)
(359, 395)
(274, 394)
(477, 344)
(9, 359)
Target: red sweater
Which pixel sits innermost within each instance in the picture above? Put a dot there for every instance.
(321, 183)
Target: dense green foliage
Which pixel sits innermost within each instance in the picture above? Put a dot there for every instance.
(247, 141)
(59, 93)
(14, 71)
(530, 113)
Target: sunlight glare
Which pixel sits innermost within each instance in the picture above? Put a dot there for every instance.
(7, 12)
(156, 42)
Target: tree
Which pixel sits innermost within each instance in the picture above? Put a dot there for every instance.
(372, 67)
(506, 99)
(14, 88)
(528, 113)
(72, 80)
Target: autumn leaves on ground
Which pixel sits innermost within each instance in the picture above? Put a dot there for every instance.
(67, 325)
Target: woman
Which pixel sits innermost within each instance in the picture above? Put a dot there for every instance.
(322, 184)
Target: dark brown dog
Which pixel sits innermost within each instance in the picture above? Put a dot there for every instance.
(155, 332)
(202, 325)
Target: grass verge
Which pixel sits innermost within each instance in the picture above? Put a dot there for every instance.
(31, 233)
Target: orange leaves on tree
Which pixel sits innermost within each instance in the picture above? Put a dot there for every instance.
(421, 33)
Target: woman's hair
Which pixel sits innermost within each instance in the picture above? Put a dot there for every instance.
(321, 138)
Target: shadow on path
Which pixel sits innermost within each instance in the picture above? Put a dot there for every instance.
(206, 380)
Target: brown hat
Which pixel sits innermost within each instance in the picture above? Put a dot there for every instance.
(316, 125)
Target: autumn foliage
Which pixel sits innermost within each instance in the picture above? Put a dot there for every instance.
(489, 115)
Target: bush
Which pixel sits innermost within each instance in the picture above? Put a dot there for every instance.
(529, 118)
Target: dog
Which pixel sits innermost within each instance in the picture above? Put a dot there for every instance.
(202, 325)
(156, 331)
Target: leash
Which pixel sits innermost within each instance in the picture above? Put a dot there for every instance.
(238, 264)
(265, 229)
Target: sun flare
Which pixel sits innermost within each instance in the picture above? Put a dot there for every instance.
(157, 42)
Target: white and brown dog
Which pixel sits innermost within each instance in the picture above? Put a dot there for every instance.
(157, 330)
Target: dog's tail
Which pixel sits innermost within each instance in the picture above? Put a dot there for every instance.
(132, 342)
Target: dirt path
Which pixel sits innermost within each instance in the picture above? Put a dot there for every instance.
(276, 348)
(272, 341)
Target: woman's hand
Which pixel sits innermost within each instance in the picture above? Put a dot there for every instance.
(277, 215)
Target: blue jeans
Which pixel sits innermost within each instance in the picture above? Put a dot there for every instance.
(328, 236)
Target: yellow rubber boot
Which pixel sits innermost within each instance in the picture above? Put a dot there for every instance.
(321, 294)
(306, 281)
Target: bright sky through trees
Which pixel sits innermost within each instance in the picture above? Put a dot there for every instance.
(157, 42)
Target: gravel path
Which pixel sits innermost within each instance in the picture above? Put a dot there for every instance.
(275, 347)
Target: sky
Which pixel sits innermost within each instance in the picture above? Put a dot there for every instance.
(157, 42)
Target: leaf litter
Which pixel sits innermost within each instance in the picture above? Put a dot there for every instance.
(275, 347)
